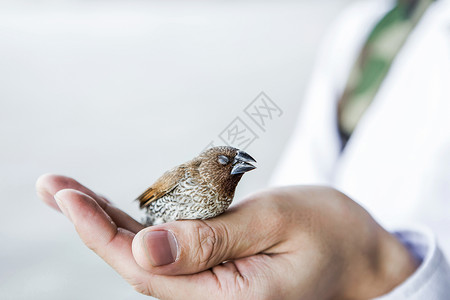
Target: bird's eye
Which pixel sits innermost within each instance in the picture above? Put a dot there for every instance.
(223, 160)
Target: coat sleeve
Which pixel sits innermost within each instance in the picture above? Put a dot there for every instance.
(431, 280)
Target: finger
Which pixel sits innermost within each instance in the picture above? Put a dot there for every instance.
(187, 247)
(98, 231)
(113, 245)
(48, 185)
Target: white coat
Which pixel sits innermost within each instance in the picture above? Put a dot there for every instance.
(397, 162)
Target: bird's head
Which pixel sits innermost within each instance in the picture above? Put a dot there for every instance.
(225, 165)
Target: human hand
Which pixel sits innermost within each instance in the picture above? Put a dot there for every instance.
(286, 243)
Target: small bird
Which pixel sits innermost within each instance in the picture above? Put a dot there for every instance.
(201, 188)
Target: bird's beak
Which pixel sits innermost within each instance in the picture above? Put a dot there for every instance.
(242, 163)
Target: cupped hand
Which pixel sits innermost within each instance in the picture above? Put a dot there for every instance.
(286, 243)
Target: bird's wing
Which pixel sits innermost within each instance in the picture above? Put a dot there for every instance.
(165, 184)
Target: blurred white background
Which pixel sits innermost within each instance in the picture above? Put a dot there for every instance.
(114, 93)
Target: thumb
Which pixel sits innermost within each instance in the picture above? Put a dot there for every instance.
(191, 246)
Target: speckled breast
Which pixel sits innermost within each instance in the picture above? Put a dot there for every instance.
(188, 200)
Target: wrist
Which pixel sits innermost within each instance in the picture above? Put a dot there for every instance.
(382, 269)
(397, 263)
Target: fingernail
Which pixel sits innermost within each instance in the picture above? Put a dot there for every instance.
(161, 247)
(62, 206)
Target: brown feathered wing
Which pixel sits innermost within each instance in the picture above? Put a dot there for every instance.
(165, 184)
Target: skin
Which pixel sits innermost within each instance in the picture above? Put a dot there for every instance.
(293, 242)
